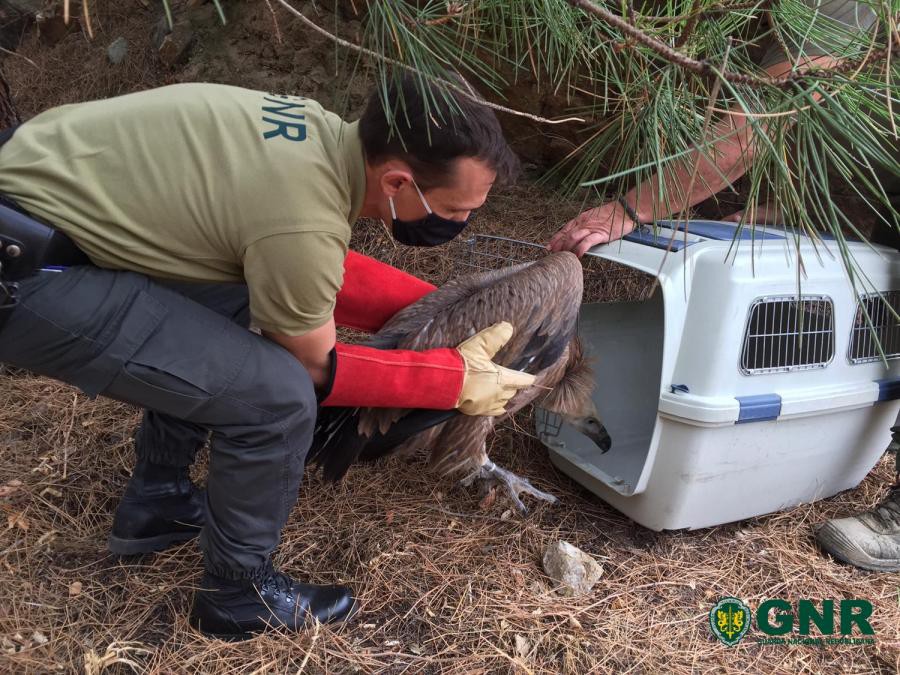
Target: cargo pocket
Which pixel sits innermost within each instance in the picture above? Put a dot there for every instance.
(120, 341)
(157, 390)
(185, 361)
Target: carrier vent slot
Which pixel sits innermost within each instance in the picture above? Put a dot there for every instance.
(549, 424)
(883, 330)
(785, 333)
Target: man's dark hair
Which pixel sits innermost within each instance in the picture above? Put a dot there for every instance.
(430, 138)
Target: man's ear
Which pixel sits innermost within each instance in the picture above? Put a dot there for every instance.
(395, 176)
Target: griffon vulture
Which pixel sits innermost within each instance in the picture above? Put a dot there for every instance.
(541, 300)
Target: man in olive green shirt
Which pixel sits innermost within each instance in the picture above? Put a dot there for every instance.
(204, 208)
(265, 189)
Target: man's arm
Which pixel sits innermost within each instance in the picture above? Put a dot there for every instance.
(294, 278)
(312, 349)
(720, 164)
(464, 377)
(372, 292)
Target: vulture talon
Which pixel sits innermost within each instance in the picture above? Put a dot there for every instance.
(489, 474)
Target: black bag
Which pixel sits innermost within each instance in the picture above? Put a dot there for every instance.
(26, 245)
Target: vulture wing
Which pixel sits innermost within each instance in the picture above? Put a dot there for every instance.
(540, 299)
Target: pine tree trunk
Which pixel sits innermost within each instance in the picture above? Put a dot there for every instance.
(15, 16)
(8, 114)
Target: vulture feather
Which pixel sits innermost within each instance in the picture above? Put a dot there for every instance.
(541, 300)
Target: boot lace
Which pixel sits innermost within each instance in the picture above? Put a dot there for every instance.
(278, 583)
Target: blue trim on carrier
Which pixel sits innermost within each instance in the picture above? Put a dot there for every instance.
(758, 408)
(888, 389)
(707, 229)
(657, 240)
(714, 229)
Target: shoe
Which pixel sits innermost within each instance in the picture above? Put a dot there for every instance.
(236, 610)
(160, 507)
(870, 540)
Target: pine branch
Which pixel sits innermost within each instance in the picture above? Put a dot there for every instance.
(704, 67)
(438, 80)
(689, 26)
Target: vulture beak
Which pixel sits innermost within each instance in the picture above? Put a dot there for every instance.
(591, 427)
(587, 421)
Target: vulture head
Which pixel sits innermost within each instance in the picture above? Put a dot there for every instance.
(541, 300)
(571, 398)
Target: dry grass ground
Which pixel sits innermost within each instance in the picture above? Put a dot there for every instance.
(446, 586)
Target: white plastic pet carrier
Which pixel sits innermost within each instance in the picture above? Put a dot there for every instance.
(725, 394)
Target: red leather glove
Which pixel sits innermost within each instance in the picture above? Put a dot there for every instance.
(366, 377)
(373, 292)
(465, 378)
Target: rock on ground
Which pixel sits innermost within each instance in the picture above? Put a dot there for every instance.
(574, 571)
(117, 51)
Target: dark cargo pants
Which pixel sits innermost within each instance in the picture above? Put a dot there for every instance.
(183, 352)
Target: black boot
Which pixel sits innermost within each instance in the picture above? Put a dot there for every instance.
(235, 610)
(160, 507)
